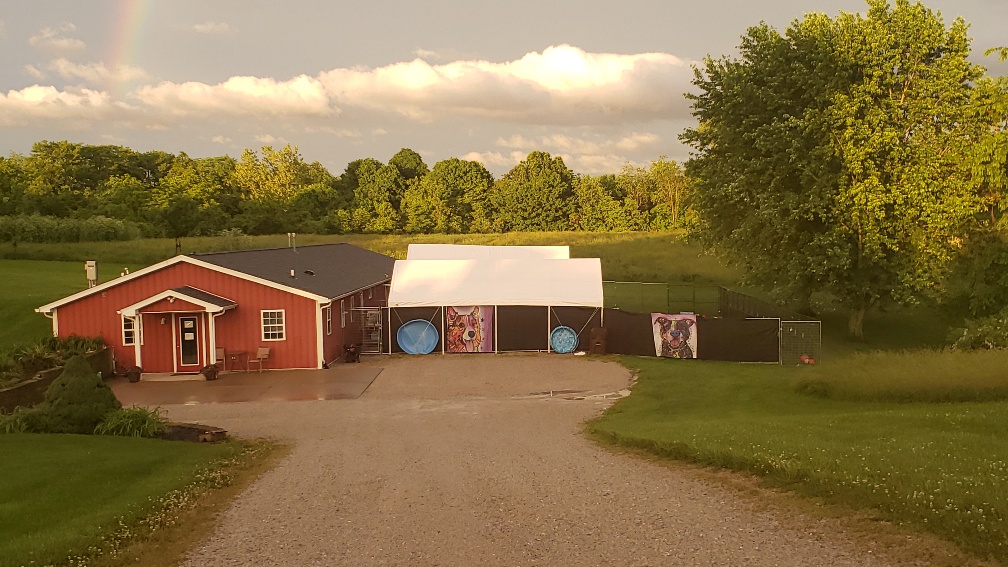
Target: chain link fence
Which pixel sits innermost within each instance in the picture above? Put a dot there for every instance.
(648, 297)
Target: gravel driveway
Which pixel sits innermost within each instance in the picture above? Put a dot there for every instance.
(468, 460)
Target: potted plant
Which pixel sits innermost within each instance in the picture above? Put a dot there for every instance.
(210, 371)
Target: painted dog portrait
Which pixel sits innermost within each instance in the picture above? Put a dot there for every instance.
(674, 335)
(469, 329)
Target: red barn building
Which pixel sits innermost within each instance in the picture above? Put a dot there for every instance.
(304, 304)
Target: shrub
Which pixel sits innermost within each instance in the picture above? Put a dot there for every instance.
(985, 333)
(133, 422)
(78, 399)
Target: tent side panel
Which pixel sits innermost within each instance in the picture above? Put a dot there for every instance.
(399, 316)
(522, 327)
(581, 319)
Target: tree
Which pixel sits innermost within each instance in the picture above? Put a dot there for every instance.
(373, 209)
(536, 195)
(409, 164)
(450, 199)
(597, 209)
(669, 193)
(828, 159)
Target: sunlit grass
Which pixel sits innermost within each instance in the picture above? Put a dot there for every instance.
(67, 495)
(938, 467)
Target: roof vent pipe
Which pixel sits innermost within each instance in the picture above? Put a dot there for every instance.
(292, 273)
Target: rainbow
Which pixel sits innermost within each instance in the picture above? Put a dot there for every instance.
(129, 22)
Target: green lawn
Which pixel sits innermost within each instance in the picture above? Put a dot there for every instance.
(937, 467)
(60, 494)
(27, 284)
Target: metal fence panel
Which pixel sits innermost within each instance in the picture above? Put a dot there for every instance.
(800, 339)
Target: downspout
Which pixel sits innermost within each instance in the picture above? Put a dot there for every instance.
(55, 322)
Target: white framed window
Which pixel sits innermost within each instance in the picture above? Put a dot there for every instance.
(342, 315)
(129, 331)
(328, 320)
(351, 309)
(273, 325)
(370, 293)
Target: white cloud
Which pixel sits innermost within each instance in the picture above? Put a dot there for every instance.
(560, 85)
(34, 72)
(592, 154)
(46, 102)
(212, 28)
(56, 39)
(96, 73)
(300, 96)
(269, 139)
(220, 139)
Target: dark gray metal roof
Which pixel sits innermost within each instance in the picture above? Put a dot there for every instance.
(329, 270)
(204, 296)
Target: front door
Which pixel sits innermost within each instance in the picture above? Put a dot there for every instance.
(188, 343)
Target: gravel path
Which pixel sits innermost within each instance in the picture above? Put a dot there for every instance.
(467, 460)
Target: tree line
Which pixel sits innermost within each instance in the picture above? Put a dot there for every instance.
(68, 191)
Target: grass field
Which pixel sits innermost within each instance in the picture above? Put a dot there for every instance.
(61, 494)
(892, 424)
(937, 467)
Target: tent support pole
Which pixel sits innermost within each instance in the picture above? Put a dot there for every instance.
(443, 341)
(549, 310)
(495, 330)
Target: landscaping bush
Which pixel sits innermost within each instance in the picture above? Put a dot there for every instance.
(133, 422)
(77, 400)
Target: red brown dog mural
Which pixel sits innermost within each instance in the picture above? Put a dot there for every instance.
(469, 329)
(674, 335)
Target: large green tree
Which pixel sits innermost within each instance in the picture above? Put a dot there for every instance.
(829, 158)
(452, 198)
(537, 194)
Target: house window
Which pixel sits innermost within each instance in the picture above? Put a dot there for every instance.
(328, 320)
(273, 328)
(351, 309)
(128, 331)
(370, 293)
(342, 315)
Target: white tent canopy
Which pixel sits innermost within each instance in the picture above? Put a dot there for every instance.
(501, 281)
(473, 252)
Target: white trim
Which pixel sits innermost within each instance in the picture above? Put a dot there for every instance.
(122, 330)
(342, 315)
(203, 330)
(283, 324)
(170, 262)
(131, 310)
(328, 320)
(196, 317)
(174, 344)
(55, 324)
(137, 347)
(319, 345)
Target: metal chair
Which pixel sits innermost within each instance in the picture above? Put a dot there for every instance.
(261, 355)
(219, 358)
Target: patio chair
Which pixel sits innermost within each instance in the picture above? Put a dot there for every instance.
(261, 355)
(220, 360)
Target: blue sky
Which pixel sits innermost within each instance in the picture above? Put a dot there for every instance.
(599, 83)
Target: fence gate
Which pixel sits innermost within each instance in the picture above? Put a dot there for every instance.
(798, 339)
(371, 329)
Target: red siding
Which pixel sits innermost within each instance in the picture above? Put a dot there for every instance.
(238, 329)
(333, 344)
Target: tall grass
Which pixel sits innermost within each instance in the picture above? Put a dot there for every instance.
(938, 467)
(656, 257)
(921, 375)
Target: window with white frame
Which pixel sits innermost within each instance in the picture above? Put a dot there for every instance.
(129, 331)
(328, 320)
(351, 309)
(370, 293)
(273, 327)
(342, 315)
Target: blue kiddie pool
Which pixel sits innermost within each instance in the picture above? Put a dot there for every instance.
(417, 337)
(563, 339)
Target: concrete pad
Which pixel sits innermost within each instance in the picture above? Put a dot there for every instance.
(338, 383)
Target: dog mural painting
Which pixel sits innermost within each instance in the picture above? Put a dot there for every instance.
(469, 328)
(674, 335)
